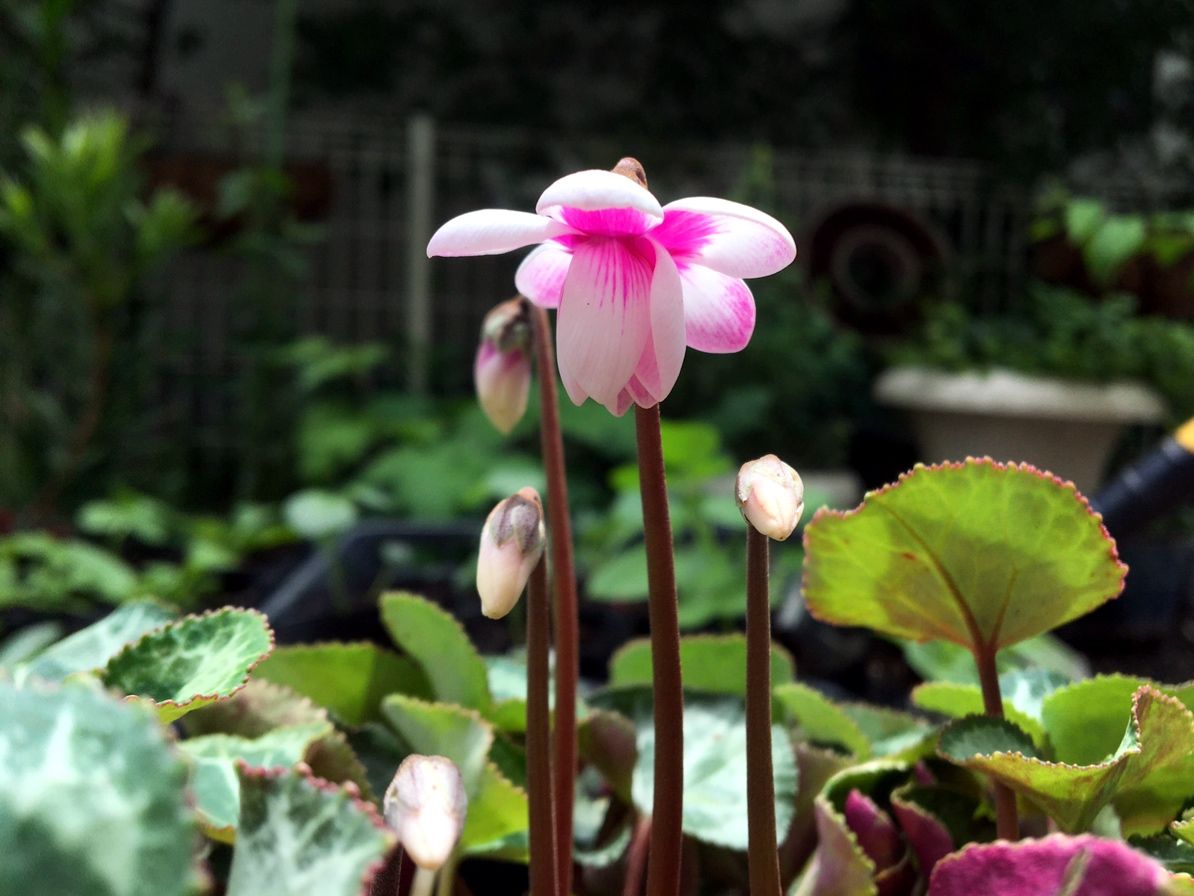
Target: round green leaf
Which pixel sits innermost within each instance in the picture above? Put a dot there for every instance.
(215, 783)
(608, 740)
(943, 661)
(348, 679)
(1086, 720)
(298, 834)
(438, 643)
(978, 553)
(821, 720)
(319, 515)
(1023, 691)
(192, 662)
(442, 729)
(892, 734)
(714, 764)
(91, 648)
(1147, 772)
(498, 818)
(712, 663)
(92, 798)
(1184, 830)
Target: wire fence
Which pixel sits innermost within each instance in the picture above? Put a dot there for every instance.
(383, 185)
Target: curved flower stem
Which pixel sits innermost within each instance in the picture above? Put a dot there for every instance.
(1007, 821)
(636, 857)
(542, 839)
(446, 885)
(564, 580)
(762, 852)
(663, 870)
(423, 882)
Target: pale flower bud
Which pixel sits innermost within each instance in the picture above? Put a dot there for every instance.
(511, 544)
(770, 496)
(502, 369)
(426, 805)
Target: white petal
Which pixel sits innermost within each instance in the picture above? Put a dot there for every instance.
(738, 241)
(595, 190)
(604, 319)
(492, 231)
(659, 367)
(541, 275)
(719, 311)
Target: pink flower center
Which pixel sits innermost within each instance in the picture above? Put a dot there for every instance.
(608, 221)
(684, 233)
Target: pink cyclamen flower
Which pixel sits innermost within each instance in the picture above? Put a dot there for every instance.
(634, 282)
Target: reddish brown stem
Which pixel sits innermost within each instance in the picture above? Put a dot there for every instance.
(663, 870)
(636, 857)
(762, 853)
(544, 878)
(565, 605)
(1007, 820)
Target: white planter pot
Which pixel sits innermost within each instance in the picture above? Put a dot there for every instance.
(1065, 427)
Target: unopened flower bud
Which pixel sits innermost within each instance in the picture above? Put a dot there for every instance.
(630, 167)
(502, 370)
(511, 544)
(770, 496)
(426, 805)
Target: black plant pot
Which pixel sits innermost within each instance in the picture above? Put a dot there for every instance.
(332, 594)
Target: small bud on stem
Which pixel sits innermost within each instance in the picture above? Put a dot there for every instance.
(770, 496)
(502, 369)
(511, 544)
(426, 805)
(633, 169)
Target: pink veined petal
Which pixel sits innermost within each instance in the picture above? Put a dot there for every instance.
(625, 400)
(594, 191)
(659, 367)
(577, 395)
(719, 311)
(604, 319)
(541, 275)
(492, 231)
(731, 238)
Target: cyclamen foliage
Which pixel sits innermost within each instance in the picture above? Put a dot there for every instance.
(284, 752)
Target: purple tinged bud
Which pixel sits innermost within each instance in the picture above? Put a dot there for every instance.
(770, 496)
(502, 369)
(511, 544)
(426, 805)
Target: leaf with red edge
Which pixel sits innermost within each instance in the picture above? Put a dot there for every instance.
(843, 864)
(978, 553)
(1148, 775)
(192, 662)
(814, 767)
(298, 834)
(1059, 864)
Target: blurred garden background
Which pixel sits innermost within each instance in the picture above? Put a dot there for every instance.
(229, 374)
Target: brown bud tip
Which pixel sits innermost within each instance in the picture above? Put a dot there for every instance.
(633, 169)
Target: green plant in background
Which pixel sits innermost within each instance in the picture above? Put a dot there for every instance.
(708, 573)
(801, 385)
(1109, 241)
(80, 246)
(1056, 331)
(270, 243)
